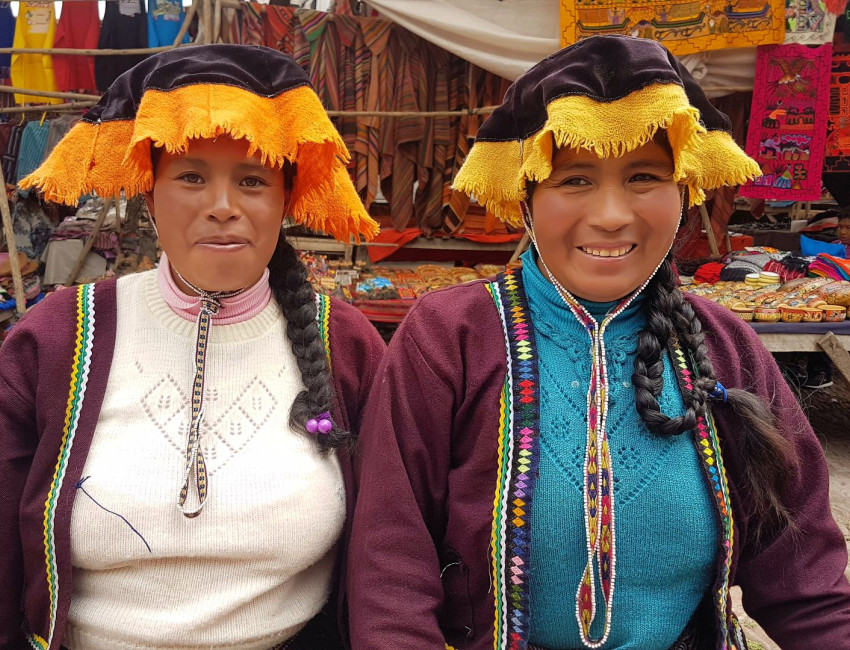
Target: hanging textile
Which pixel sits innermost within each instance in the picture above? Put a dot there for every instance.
(10, 158)
(277, 28)
(838, 123)
(683, 26)
(7, 33)
(35, 28)
(124, 26)
(787, 130)
(33, 143)
(79, 28)
(252, 29)
(165, 18)
(808, 22)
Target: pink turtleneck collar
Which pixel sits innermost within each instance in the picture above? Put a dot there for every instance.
(240, 308)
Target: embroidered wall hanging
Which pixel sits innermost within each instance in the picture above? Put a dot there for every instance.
(683, 26)
(787, 130)
(808, 22)
(838, 121)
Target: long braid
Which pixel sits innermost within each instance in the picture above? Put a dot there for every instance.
(765, 452)
(294, 293)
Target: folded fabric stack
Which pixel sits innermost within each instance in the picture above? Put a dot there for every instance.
(790, 267)
(828, 266)
(709, 273)
(743, 264)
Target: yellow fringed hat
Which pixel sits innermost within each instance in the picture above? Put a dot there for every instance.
(609, 95)
(245, 92)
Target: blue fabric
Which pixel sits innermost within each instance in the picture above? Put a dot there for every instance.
(164, 20)
(813, 247)
(7, 32)
(665, 522)
(33, 143)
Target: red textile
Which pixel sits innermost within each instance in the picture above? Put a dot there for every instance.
(709, 273)
(787, 130)
(394, 237)
(78, 28)
(490, 239)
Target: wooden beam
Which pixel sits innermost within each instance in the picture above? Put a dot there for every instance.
(837, 354)
(48, 93)
(46, 108)
(104, 210)
(709, 231)
(9, 230)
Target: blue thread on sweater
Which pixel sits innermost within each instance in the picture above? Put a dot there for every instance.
(80, 487)
(665, 522)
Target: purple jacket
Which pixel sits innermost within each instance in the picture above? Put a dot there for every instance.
(421, 572)
(64, 344)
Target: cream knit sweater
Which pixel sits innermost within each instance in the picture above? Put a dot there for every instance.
(256, 565)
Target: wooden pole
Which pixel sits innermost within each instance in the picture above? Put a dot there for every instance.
(187, 21)
(104, 210)
(521, 247)
(472, 111)
(208, 21)
(140, 51)
(709, 231)
(830, 344)
(216, 30)
(48, 93)
(46, 108)
(9, 230)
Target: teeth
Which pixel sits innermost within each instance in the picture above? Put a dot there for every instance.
(607, 252)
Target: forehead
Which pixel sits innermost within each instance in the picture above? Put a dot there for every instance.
(222, 149)
(651, 151)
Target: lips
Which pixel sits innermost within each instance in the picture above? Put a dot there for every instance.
(608, 251)
(223, 240)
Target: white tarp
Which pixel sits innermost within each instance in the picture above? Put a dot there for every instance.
(507, 37)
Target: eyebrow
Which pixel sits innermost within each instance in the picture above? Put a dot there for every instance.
(243, 166)
(635, 164)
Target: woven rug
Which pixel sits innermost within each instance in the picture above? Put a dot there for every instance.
(838, 121)
(787, 130)
(683, 26)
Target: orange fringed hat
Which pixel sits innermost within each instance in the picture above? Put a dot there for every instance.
(245, 92)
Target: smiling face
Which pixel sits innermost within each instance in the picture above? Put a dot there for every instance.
(218, 213)
(603, 225)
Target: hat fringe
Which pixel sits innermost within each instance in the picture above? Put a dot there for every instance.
(111, 156)
(703, 160)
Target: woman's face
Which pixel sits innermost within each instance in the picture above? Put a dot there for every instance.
(603, 225)
(844, 230)
(218, 212)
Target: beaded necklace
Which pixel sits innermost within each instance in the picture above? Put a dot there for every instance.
(195, 465)
(597, 491)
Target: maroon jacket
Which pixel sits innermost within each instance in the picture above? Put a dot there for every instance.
(40, 461)
(419, 571)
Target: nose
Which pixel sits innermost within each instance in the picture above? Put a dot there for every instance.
(612, 212)
(224, 203)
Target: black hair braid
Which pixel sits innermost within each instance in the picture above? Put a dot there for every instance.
(767, 455)
(294, 293)
(649, 361)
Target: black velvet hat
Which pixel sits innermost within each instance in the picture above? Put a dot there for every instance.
(610, 95)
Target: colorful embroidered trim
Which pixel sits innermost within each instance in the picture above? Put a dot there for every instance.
(79, 380)
(518, 459)
(707, 444)
(323, 317)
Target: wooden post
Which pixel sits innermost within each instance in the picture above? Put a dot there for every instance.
(521, 246)
(709, 232)
(840, 358)
(9, 230)
(187, 21)
(90, 241)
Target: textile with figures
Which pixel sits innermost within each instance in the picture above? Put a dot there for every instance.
(787, 129)
(809, 22)
(838, 122)
(683, 26)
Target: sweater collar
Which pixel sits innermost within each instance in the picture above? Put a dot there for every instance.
(237, 309)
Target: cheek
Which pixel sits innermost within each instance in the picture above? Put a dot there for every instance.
(661, 213)
(554, 214)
